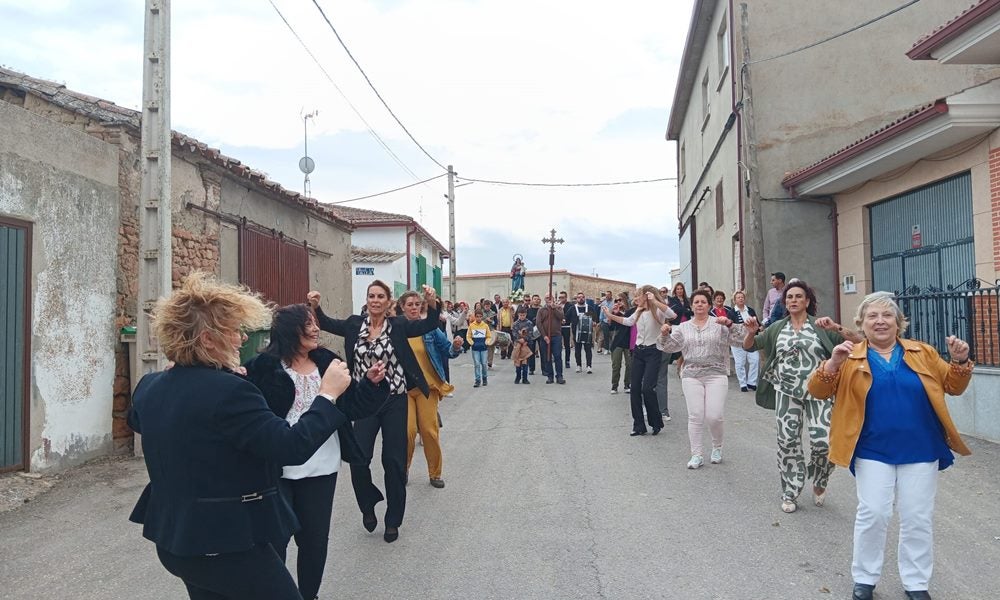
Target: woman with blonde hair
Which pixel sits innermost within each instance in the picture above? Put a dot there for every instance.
(650, 314)
(211, 444)
(891, 427)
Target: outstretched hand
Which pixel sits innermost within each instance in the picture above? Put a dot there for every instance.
(313, 298)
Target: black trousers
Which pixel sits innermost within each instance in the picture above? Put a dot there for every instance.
(256, 574)
(567, 336)
(589, 348)
(312, 500)
(391, 419)
(645, 367)
(533, 344)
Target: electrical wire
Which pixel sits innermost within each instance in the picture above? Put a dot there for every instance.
(372, 86)
(371, 130)
(600, 184)
(835, 36)
(388, 191)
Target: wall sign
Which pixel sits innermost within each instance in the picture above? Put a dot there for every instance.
(364, 270)
(916, 240)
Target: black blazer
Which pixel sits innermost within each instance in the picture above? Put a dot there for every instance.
(402, 328)
(211, 447)
(267, 373)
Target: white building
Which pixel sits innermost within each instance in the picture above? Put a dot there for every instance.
(391, 248)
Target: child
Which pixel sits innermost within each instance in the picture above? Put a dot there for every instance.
(480, 337)
(521, 353)
(523, 322)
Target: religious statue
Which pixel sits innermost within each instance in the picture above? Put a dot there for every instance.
(517, 273)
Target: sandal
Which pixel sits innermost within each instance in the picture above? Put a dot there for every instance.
(788, 505)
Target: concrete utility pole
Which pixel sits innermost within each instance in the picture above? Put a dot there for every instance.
(753, 244)
(452, 271)
(155, 255)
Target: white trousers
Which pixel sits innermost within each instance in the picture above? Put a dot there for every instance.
(706, 402)
(913, 486)
(746, 365)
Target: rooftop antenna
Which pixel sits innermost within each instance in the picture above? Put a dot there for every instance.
(306, 164)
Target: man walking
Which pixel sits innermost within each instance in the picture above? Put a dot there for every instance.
(549, 323)
(566, 330)
(582, 325)
(773, 295)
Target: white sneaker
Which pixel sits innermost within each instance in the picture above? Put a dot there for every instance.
(666, 417)
(696, 461)
(628, 390)
(613, 391)
(716, 456)
(589, 370)
(579, 370)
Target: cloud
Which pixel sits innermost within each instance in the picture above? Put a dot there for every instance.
(503, 89)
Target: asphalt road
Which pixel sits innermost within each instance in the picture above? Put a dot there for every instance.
(547, 497)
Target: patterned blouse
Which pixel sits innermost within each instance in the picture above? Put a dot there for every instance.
(705, 349)
(797, 355)
(367, 353)
(326, 459)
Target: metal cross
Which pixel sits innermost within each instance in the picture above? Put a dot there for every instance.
(552, 240)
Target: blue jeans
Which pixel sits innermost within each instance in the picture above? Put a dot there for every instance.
(548, 359)
(479, 361)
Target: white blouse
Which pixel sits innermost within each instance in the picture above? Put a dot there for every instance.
(647, 327)
(705, 349)
(326, 459)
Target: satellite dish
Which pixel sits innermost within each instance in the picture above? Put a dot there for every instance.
(307, 165)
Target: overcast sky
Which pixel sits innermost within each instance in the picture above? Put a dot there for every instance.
(535, 91)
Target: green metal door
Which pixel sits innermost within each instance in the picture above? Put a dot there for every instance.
(15, 239)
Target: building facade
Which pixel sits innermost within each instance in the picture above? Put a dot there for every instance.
(69, 186)
(756, 100)
(391, 248)
(473, 287)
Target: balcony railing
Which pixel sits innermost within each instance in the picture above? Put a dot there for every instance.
(968, 311)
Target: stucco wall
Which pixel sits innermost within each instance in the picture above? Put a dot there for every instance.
(472, 288)
(66, 183)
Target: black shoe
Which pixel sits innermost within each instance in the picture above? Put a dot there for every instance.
(369, 521)
(438, 483)
(753, 388)
(485, 383)
(567, 364)
(743, 389)
(635, 433)
(918, 595)
(561, 380)
(518, 380)
(526, 382)
(863, 591)
(391, 534)
(656, 430)
(477, 384)
(549, 380)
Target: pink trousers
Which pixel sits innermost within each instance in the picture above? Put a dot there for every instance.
(706, 400)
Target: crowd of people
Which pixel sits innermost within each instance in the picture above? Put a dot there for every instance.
(281, 425)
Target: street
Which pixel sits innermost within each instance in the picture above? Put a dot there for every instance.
(546, 496)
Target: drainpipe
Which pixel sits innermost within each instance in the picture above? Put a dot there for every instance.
(410, 230)
(836, 261)
(739, 144)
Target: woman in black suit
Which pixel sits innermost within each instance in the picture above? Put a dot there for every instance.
(288, 372)
(212, 447)
(375, 337)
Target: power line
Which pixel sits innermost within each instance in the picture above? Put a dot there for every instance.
(835, 36)
(388, 191)
(372, 86)
(371, 130)
(600, 184)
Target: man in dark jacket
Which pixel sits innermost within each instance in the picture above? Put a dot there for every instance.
(549, 322)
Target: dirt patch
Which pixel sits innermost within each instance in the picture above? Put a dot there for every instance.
(17, 489)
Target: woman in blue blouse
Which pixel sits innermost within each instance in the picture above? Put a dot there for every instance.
(891, 426)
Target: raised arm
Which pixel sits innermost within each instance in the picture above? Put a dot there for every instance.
(334, 326)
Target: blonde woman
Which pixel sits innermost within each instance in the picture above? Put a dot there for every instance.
(211, 444)
(651, 312)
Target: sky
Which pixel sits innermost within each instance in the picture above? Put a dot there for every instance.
(512, 90)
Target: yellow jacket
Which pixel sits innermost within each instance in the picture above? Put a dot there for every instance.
(852, 382)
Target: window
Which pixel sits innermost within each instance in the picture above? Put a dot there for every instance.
(720, 212)
(722, 47)
(704, 100)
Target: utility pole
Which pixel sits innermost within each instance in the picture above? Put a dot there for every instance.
(753, 245)
(155, 234)
(452, 271)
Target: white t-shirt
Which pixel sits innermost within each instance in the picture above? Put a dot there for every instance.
(326, 459)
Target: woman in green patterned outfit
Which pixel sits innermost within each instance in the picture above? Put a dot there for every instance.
(793, 348)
